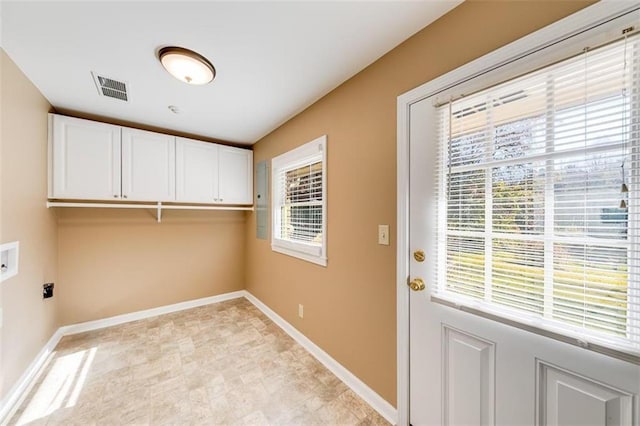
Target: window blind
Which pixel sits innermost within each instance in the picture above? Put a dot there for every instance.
(299, 202)
(537, 187)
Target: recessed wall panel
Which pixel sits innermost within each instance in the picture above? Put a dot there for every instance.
(566, 398)
(468, 379)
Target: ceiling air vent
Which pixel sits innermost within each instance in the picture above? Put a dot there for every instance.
(111, 88)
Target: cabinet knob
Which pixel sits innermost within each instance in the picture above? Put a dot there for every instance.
(115, 195)
(221, 199)
(124, 196)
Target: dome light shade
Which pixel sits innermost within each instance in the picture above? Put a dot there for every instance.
(186, 65)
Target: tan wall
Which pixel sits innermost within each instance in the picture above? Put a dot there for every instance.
(350, 306)
(117, 261)
(28, 320)
(113, 262)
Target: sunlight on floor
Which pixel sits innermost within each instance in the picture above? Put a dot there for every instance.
(61, 387)
(224, 363)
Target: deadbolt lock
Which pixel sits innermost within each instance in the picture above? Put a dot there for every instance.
(417, 284)
(418, 255)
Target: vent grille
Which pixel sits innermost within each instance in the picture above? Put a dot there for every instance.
(111, 88)
(114, 94)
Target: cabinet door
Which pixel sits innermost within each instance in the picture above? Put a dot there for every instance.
(235, 175)
(196, 171)
(85, 159)
(148, 166)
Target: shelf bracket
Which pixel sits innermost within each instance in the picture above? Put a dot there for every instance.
(159, 214)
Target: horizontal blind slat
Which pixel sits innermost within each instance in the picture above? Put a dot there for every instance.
(563, 130)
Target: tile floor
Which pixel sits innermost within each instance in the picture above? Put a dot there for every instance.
(225, 363)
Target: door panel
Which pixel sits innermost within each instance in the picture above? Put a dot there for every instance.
(148, 166)
(569, 399)
(470, 370)
(469, 379)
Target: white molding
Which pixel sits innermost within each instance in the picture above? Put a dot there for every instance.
(22, 387)
(378, 403)
(148, 313)
(531, 45)
(50, 155)
(549, 36)
(302, 155)
(317, 259)
(402, 263)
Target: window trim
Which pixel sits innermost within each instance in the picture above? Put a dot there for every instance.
(297, 157)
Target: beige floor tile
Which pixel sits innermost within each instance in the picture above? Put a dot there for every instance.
(221, 364)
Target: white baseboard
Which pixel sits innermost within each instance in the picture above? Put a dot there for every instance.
(147, 313)
(23, 386)
(21, 389)
(378, 403)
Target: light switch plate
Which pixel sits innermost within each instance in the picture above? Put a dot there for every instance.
(383, 234)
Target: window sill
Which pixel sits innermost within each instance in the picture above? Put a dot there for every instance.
(318, 260)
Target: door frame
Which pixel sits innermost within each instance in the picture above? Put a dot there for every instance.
(572, 26)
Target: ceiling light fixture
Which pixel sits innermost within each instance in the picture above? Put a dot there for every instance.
(186, 65)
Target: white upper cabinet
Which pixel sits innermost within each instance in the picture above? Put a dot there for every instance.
(211, 173)
(148, 166)
(84, 159)
(196, 171)
(96, 161)
(235, 175)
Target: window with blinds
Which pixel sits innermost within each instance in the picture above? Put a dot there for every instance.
(299, 202)
(538, 206)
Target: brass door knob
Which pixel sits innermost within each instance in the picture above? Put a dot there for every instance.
(417, 284)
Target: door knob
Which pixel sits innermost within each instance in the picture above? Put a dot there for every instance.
(417, 284)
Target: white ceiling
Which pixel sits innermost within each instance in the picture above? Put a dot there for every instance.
(273, 58)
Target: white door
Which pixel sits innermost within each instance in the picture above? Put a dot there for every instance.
(469, 370)
(85, 159)
(196, 171)
(148, 166)
(235, 175)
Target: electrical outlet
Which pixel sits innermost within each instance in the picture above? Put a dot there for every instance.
(47, 290)
(301, 311)
(383, 234)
